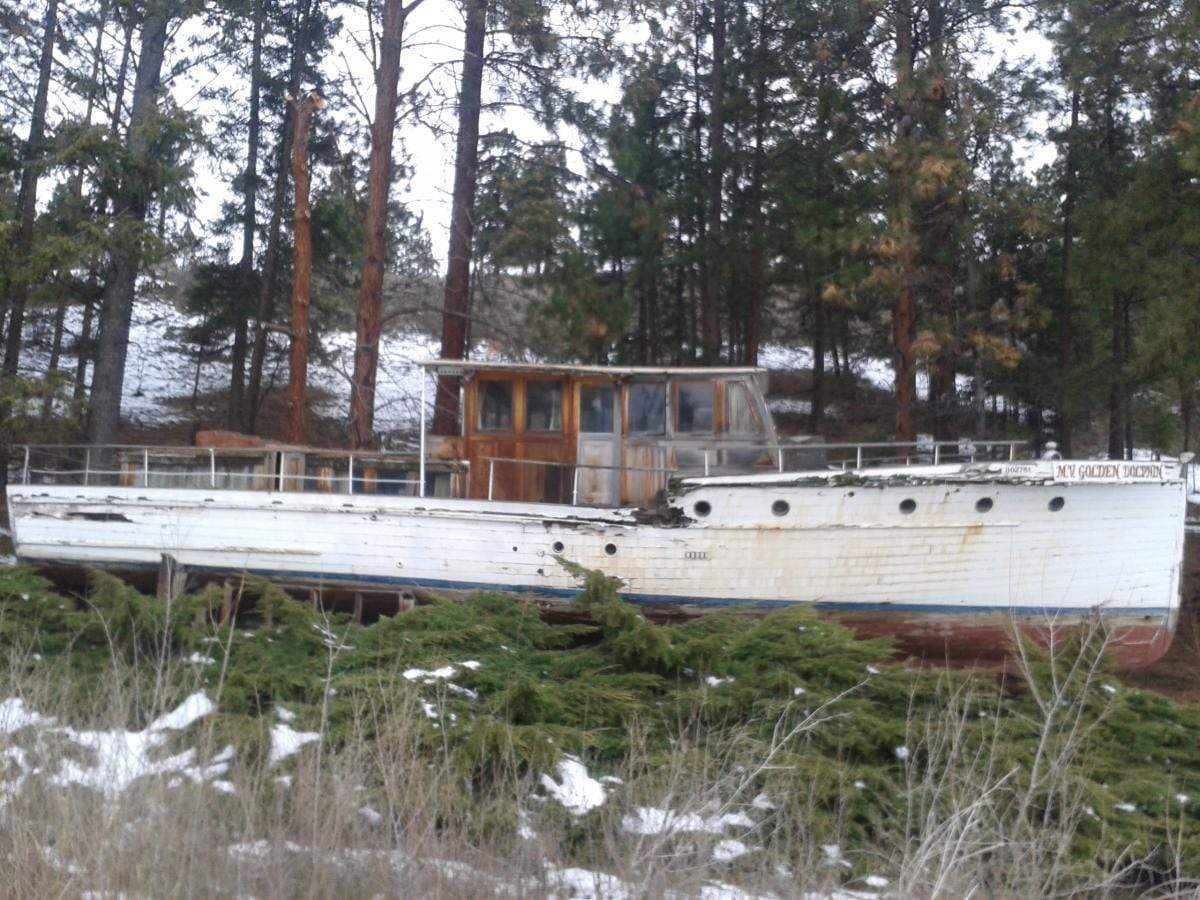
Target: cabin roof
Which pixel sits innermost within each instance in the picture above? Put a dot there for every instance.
(466, 366)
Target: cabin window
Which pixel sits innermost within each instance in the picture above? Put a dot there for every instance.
(495, 406)
(743, 417)
(647, 408)
(543, 406)
(695, 407)
(596, 409)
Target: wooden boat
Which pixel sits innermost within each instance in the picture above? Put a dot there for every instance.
(671, 480)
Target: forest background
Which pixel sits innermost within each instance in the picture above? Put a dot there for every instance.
(1000, 197)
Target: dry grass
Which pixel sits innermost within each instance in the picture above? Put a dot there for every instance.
(377, 808)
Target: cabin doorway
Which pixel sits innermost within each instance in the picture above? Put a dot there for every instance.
(599, 443)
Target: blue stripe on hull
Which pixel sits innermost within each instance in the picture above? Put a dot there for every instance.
(843, 606)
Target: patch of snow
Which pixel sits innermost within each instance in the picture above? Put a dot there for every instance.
(461, 691)
(729, 850)
(797, 691)
(872, 670)
(876, 881)
(286, 741)
(117, 758)
(195, 707)
(430, 710)
(471, 664)
(716, 890)
(225, 787)
(585, 884)
(198, 659)
(524, 827)
(902, 753)
(1182, 799)
(261, 848)
(832, 856)
(14, 716)
(714, 681)
(860, 785)
(575, 788)
(428, 676)
(655, 820)
(763, 802)
(789, 406)
(776, 356)
(1108, 688)
(55, 860)
(735, 819)
(284, 715)
(1125, 807)
(372, 816)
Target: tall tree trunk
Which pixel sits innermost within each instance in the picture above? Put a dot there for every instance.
(271, 257)
(1066, 338)
(758, 254)
(456, 303)
(297, 393)
(237, 355)
(940, 219)
(1116, 406)
(818, 382)
(84, 349)
(710, 317)
(1126, 380)
(904, 313)
(27, 197)
(979, 377)
(60, 314)
(1187, 407)
(76, 189)
(132, 201)
(379, 181)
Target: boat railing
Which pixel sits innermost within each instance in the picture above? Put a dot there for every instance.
(223, 468)
(862, 455)
(867, 454)
(368, 472)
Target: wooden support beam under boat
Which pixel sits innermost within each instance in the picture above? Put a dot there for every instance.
(172, 579)
(226, 601)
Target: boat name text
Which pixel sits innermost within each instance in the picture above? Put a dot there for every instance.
(1109, 470)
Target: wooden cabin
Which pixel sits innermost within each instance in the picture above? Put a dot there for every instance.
(601, 435)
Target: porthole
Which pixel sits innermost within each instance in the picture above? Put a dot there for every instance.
(610, 549)
(702, 508)
(983, 504)
(780, 508)
(558, 547)
(1056, 504)
(908, 506)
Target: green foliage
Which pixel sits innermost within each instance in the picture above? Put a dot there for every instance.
(806, 713)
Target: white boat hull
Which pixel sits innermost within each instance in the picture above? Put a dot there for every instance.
(844, 543)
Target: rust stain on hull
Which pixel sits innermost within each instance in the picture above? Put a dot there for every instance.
(988, 640)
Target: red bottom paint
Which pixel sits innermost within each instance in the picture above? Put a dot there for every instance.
(990, 640)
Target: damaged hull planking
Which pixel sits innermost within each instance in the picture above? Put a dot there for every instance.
(947, 560)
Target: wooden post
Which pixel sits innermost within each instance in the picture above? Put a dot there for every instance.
(226, 602)
(314, 598)
(172, 579)
(358, 608)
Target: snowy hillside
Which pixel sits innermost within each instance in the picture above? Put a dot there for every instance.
(160, 369)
